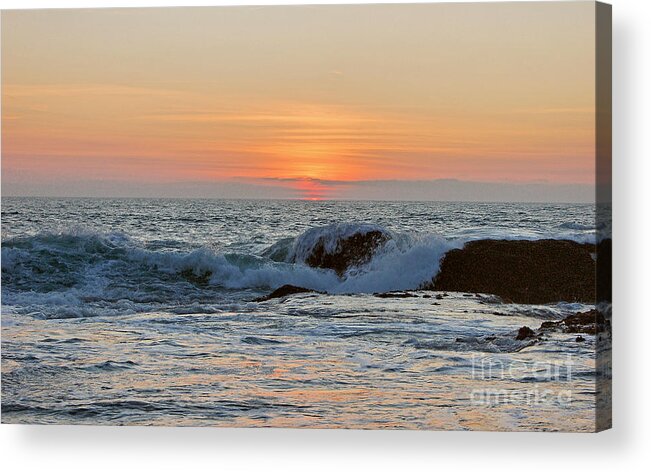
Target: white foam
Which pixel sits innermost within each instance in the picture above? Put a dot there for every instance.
(111, 273)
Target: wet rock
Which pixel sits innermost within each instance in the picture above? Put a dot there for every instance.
(546, 325)
(285, 291)
(524, 333)
(580, 339)
(395, 295)
(587, 322)
(543, 271)
(351, 251)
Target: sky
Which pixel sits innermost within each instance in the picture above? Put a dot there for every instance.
(417, 102)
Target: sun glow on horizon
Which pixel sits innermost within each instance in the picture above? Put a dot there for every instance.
(127, 95)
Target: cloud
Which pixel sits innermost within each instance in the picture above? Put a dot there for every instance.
(310, 188)
(442, 190)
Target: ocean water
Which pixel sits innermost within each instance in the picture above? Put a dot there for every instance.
(135, 311)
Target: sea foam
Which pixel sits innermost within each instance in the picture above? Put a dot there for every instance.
(83, 273)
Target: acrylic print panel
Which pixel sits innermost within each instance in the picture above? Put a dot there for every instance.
(346, 216)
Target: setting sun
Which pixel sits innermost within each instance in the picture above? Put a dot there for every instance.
(213, 106)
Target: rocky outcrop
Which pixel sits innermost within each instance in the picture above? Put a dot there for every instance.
(588, 322)
(285, 291)
(525, 333)
(353, 250)
(543, 271)
(398, 295)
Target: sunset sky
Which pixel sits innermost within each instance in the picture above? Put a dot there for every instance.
(301, 102)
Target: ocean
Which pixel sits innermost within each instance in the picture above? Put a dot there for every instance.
(144, 312)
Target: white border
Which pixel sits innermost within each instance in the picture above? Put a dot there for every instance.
(71, 448)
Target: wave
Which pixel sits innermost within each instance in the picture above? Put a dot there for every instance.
(78, 272)
(575, 226)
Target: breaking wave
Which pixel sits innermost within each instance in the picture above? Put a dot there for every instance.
(84, 273)
(78, 273)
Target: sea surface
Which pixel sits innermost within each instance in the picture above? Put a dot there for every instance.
(143, 312)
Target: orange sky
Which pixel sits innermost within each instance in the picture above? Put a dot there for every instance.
(299, 95)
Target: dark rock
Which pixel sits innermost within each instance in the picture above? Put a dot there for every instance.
(439, 297)
(285, 291)
(351, 251)
(585, 318)
(427, 296)
(546, 325)
(543, 271)
(395, 295)
(524, 333)
(587, 322)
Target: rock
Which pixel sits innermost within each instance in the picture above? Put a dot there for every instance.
(329, 250)
(524, 333)
(395, 295)
(543, 271)
(587, 322)
(285, 291)
(546, 325)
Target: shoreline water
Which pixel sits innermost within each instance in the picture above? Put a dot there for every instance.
(123, 324)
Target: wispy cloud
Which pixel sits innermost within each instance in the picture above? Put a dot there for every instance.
(17, 183)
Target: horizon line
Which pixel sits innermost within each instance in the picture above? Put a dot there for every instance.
(309, 200)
